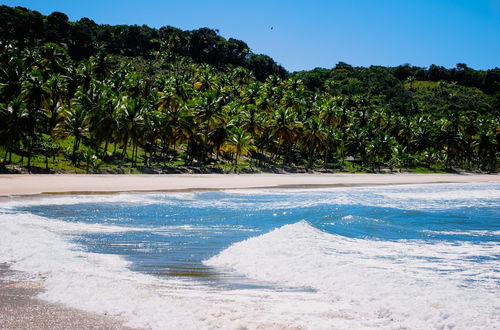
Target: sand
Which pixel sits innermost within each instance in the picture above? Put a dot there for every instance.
(25, 184)
(19, 307)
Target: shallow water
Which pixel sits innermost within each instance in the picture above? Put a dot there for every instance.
(415, 256)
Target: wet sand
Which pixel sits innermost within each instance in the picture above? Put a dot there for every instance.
(21, 309)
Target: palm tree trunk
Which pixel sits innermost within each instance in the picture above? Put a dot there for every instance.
(136, 152)
(124, 151)
(133, 154)
(29, 156)
(5, 156)
(311, 153)
(289, 154)
(75, 147)
(7, 151)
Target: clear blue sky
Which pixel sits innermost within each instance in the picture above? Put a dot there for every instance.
(319, 33)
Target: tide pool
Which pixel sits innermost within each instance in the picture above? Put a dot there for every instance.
(411, 256)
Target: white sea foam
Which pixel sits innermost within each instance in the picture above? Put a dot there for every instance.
(103, 284)
(59, 226)
(13, 202)
(477, 233)
(388, 284)
(445, 196)
(410, 197)
(399, 196)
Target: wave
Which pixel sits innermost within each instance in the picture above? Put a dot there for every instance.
(64, 227)
(341, 282)
(377, 278)
(104, 284)
(411, 197)
(59, 226)
(474, 233)
(45, 200)
(448, 196)
(408, 197)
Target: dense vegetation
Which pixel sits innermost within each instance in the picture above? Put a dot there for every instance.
(88, 97)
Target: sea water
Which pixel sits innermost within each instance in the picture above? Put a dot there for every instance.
(392, 257)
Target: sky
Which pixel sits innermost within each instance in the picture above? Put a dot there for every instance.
(302, 35)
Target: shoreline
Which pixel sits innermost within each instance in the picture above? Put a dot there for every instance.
(37, 184)
(20, 308)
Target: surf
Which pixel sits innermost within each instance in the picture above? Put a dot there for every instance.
(384, 257)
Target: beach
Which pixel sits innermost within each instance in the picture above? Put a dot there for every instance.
(20, 309)
(19, 305)
(26, 184)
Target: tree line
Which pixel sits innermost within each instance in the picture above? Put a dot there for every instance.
(152, 98)
(85, 38)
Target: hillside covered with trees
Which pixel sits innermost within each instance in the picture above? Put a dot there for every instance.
(84, 97)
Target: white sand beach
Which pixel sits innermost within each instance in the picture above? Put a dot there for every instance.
(26, 184)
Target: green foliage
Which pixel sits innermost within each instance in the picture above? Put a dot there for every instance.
(83, 97)
(85, 38)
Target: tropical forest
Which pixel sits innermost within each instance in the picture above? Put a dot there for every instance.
(81, 97)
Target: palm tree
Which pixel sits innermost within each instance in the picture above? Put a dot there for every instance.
(451, 133)
(12, 74)
(76, 124)
(487, 143)
(100, 65)
(206, 80)
(379, 150)
(53, 58)
(208, 112)
(284, 127)
(169, 101)
(131, 120)
(313, 135)
(54, 101)
(330, 114)
(356, 140)
(104, 118)
(12, 116)
(252, 121)
(90, 159)
(422, 133)
(240, 143)
(155, 128)
(90, 99)
(188, 132)
(33, 93)
(410, 80)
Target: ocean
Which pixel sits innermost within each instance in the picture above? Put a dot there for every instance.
(389, 257)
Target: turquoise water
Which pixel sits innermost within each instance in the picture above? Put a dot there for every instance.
(414, 240)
